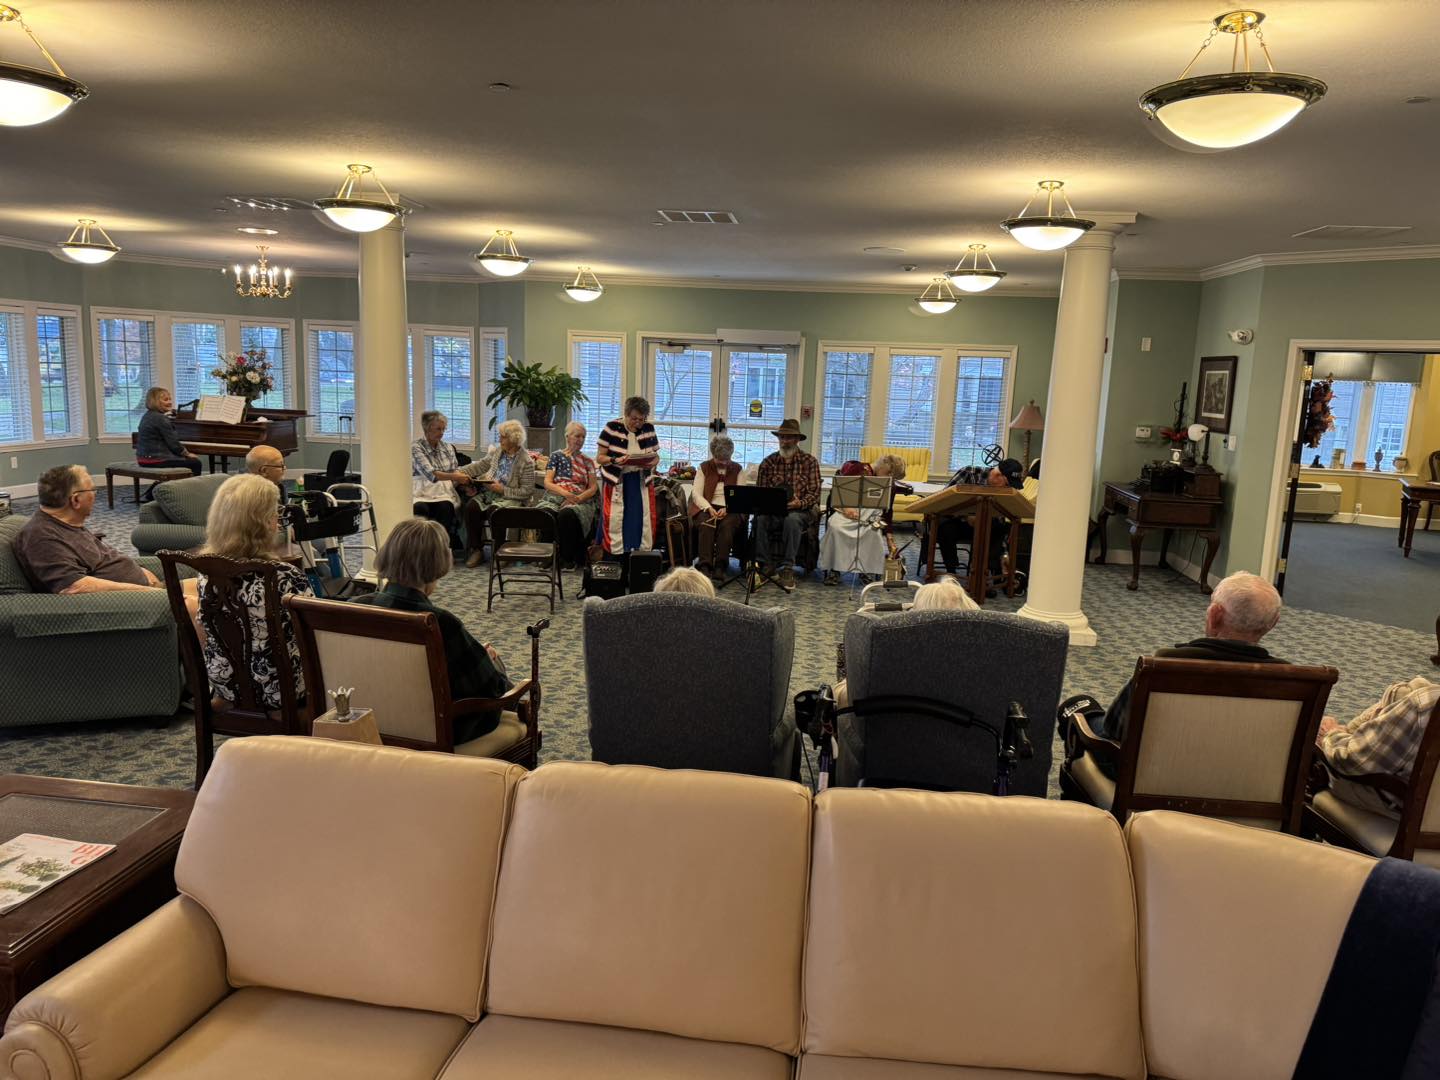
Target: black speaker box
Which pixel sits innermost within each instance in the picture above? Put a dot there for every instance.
(645, 567)
(605, 579)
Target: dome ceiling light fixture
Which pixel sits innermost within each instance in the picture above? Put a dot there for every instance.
(586, 286)
(353, 209)
(975, 278)
(33, 95)
(938, 297)
(1048, 231)
(505, 260)
(82, 247)
(1234, 108)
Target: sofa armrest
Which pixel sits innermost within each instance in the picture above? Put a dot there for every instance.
(33, 615)
(106, 1015)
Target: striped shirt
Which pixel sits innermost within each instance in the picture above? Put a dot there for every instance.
(1385, 737)
(615, 441)
(426, 460)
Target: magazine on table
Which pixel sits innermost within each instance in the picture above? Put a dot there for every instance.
(31, 863)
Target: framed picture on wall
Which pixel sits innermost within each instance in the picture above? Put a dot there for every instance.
(1215, 396)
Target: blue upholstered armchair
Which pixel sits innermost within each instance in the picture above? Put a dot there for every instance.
(95, 656)
(176, 518)
(690, 682)
(981, 660)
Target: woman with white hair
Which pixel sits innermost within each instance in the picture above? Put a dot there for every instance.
(854, 539)
(570, 490)
(716, 527)
(434, 474)
(504, 477)
(629, 450)
(943, 594)
(685, 580)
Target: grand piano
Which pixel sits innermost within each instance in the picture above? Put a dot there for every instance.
(219, 441)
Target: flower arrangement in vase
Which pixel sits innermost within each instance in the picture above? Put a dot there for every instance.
(1318, 418)
(246, 375)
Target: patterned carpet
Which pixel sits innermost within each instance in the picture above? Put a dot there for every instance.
(1166, 609)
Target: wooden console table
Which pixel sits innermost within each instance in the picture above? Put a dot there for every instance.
(1144, 511)
(73, 917)
(1413, 495)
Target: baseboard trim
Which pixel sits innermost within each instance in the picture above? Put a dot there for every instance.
(1183, 565)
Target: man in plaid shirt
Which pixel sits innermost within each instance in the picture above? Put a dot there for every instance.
(1383, 739)
(799, 473)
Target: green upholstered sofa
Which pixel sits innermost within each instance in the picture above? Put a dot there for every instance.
(95, 656)
(176, 518)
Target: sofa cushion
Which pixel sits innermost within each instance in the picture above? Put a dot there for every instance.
(1238, 929)
(12, 578)
(824, 1067)
(512, 1046)
(285, 1036)
(961, 929)
(418, 836)
(47, 615)
(691, 914)
(187, 501)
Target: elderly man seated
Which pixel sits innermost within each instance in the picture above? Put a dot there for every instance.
(1384, 740)
(268, 462)
(60, 555)
(1243, 609)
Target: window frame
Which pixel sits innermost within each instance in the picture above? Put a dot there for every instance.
(75, 390)
(420, 383)
(312, 379)
(598, 337)
(1362, 423)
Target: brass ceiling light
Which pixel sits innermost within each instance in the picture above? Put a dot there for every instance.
(505, 259)
(586, 286)
(1234, 108)
(82, 247)
(263, 282)
(355, 210)
(33, 95)
(975, 278)
(938, 297)
(1048, 231)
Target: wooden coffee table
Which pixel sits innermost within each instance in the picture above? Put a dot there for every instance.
(75, 916)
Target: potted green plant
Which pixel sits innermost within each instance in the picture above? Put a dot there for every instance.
(536, 389)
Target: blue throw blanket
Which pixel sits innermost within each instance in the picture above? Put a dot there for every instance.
(1379, 1016)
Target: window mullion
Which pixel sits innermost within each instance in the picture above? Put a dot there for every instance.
(34, 385)
(1364, 422)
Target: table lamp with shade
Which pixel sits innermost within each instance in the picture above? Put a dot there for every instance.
(1028, 420)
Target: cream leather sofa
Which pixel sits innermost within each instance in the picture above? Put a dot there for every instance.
(457, 917)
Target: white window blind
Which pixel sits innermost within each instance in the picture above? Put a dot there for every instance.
(680, 410)
(845, 405)
(449, 383)
(62, 380)
(492, 365)
(910, 408)
(275, 341)
(753, 375)
(15, 423)
(330, 356)
(126, 348)
(196, 349)
(979, 408)
(599, 363)
(1390, 428)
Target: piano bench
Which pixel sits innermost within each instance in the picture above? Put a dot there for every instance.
(137, 473)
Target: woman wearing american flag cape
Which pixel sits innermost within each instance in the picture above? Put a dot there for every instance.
(627, 454)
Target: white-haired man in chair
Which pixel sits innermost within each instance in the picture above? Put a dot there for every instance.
(1243, 609)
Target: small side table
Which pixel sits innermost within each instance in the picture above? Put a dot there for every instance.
(359, 728)
(1413, 495)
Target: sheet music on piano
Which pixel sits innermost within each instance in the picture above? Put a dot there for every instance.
(225, 408)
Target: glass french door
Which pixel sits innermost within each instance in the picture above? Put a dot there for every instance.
(691, 384)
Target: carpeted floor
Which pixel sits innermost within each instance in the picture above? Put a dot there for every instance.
(1359, 572)
(1166, 609)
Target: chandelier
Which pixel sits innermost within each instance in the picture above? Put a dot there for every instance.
(83, 247)
(505, 260)
(262, 281)
(33, 95)
(1234, 108)
(1048, 231)
(356, 211)
(975, 278)
(938, 298)
(586, 286)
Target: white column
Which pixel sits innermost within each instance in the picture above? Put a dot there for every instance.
(382, 396)
(1057, 554)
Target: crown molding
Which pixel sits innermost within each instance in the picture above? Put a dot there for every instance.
(1306, 258)
(790, 286)
(1155, 275)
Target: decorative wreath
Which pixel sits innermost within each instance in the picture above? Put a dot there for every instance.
(1318, 419)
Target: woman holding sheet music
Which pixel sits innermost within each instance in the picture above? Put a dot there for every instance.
(853, 538)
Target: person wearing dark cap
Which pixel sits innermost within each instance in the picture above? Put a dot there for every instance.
(799, 474)
(956, 530)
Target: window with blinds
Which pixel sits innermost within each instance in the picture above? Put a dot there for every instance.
(449, 383)
(330, 363)
(62, 381)
(680, 409)
(845, 405)
(598, 361)
(126, 347)
(196, 349)
(1390, 428)
(910, 404)
(1369, 416)
(274, 340)
(15, 422)
(753, 375)
(979, 419)
(493, 342)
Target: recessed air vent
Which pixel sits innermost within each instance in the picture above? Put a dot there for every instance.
(285, 204)
(698, 217)
(1351, 232)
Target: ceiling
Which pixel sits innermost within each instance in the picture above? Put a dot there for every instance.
(825, 126)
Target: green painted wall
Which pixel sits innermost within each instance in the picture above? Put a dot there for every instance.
(1025, 322)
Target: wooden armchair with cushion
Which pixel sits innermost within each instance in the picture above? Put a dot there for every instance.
(230, 617)
(1415, 835)
(395, 660)
(1206, 737)
(917, 469)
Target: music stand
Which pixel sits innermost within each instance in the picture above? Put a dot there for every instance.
(860, 493)
(757, 502)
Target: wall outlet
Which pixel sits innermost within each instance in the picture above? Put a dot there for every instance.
(1358, 507)
(14, 462)
(1142, 433)
(1232, 442)
(1144, 344)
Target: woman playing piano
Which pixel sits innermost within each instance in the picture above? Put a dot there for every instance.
(156, 443)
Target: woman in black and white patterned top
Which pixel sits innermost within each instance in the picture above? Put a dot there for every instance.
(243, 521)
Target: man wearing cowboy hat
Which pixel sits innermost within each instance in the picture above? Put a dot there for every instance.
(799, 474)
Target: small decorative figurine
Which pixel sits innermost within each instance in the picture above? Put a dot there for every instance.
(341, 696)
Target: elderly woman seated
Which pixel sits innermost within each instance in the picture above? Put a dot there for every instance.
(571, 487)
(854, 539)
(435, 474)
(716, 527)
(242, 523)
(411, 561)
(504, 477)
(685, 580)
